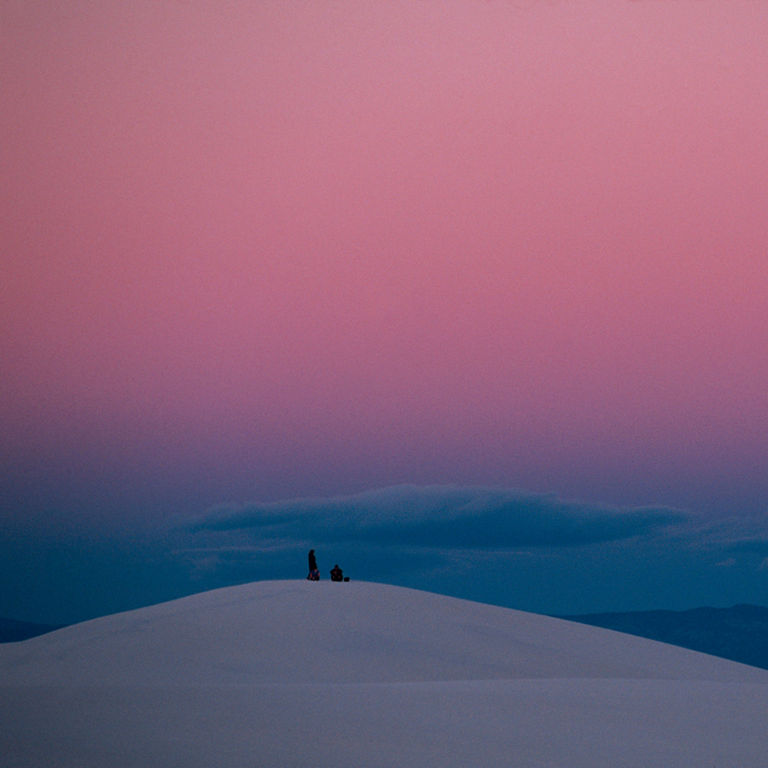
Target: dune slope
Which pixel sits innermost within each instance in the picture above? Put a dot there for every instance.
(292, 672)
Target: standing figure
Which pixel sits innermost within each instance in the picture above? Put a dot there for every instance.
(314, 573)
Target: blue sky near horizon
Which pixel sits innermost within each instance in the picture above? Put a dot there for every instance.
(519, 549)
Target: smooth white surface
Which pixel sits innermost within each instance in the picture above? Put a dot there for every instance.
(294, 673)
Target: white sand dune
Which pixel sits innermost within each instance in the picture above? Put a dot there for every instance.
(295, 673)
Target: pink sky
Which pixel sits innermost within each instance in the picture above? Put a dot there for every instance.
(308, 247)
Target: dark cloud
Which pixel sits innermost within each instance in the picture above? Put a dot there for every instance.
(524, 548)
(445, 517)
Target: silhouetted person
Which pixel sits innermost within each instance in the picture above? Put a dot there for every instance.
(314, 573)
(336, 573)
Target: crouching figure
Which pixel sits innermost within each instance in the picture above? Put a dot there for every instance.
(336, 573)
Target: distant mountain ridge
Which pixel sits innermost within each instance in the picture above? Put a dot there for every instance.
(12, 631)
(738, 633)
